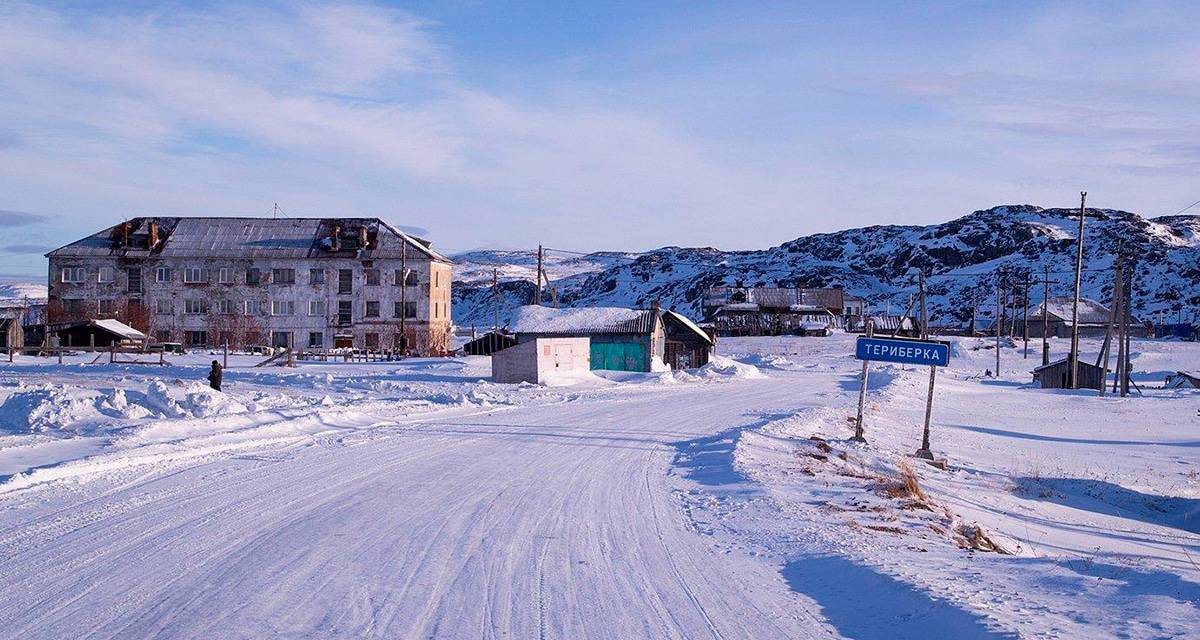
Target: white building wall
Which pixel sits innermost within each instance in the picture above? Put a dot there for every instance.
(537, 360)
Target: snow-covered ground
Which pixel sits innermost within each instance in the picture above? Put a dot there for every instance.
(417, 499)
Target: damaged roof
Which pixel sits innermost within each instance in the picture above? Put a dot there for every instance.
(219, 237)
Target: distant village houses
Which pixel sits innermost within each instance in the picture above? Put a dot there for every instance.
(1094, 319)
(768, 311)
(310, 283)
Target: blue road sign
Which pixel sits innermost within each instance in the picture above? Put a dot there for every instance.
(934, 354)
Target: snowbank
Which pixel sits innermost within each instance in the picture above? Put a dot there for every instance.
(45, 408)
(722, 367)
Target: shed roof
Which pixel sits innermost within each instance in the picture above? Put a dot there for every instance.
(1090, 311)
(235, 238)
(1061, 362)
(687, 324)
(583, 320)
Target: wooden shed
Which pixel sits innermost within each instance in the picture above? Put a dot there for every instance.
(99, 333)
(620, 339)
(687, 345)
(1057, 375)
(542, 361)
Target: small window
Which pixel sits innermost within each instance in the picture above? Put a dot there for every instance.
(345, 281)
(413, 279)
(345, 307)
(73, 275)
(372, 277)
(225, 275)
(372, 340)
(316, 340)
(253, 308)
(107, 307)
(436, 279)
(283, 307)
(197, 338)
(372, 310)
(398, 277)
(195, 306)
(225, 338)
(316, 276)
(253, 276)
(316, 307)
(225, 306)
(195, 275)
(410, 310)
(162, 335)
(283, 276)
(104, 275)
(162, 274)
(164, 307)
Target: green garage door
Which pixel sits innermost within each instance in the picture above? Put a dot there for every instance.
(619, 356)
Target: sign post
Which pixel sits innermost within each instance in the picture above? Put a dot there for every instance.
(931, 353)
(862, 390)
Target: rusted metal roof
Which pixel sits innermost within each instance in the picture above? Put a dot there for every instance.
(218, 237)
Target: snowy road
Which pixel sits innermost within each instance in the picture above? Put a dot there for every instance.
(522, 523)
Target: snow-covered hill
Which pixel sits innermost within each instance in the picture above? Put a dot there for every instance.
(14, 290)
(879, 263)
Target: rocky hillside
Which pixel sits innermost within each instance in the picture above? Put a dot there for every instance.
(879, 263)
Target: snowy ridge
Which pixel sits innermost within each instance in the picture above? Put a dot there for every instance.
(878, 263)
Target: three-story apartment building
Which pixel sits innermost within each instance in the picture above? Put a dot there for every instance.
(308, 283)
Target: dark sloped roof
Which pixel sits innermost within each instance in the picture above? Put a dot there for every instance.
(238, 238)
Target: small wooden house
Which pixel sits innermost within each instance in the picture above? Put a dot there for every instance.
(1057, 375)
(1182, 380)
(542, 361)
(687, 345)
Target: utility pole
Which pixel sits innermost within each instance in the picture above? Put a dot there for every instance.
(974, 307)
(1127, 314)
(537, 290)
(1117, 315)
(1025, 316)
(1075, 303)
(924, 311)
(997, 327)
(1046, 316)
(495, 299)
(403, 298)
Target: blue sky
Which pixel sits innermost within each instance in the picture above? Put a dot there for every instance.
(589, 126)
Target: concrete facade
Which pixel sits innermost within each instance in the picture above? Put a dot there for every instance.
(305, 283)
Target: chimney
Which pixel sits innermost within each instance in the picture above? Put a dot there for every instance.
(655, 306)
(335, 238)
(153, 234)
(125, 234)
(362, 237)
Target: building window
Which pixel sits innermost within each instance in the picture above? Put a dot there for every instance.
(316, 276)
(162, 274)
(283, 276)
(133, 280)
(283, 307)
(253, 276)
(195, 306)
(225, 338)
(73, 275)
(162, 335)
(164, 307)
(225, 275)
(372, 276)
(73, 307)
(413, 278)
(372, 340)
(195, 275)
(197, 338)
(281, 338)
(104, 275)
(225, 306)
(316, 339)
(316, 307)
(405, 310)
(372, 310)
(345, 307)
(436, 279)
(107, 307)
(253, 308)
(345, 281)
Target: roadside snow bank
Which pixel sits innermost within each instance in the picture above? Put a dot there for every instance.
(45, 408)
(204, 401)
(722, 367)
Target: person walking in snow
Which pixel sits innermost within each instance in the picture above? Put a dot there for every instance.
(214, 376)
